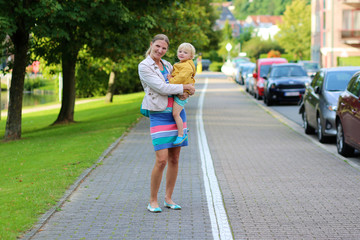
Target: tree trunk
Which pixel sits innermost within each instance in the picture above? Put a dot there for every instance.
(20, 40)
(111, 88)
(66, 114)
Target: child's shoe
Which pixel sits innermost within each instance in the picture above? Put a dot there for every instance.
(180, 140)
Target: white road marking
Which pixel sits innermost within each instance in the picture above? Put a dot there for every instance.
(218, 217)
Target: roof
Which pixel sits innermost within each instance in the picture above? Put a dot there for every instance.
(346, 68)
(271, 60)
(260, 19)
(226, 14)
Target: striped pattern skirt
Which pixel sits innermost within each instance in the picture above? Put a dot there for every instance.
(163, 128)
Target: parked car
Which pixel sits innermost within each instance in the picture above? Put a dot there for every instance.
(319, 103)
(242, 72)
(348, 118)
(311, 67)
(285, 82)
(205, 63)
(261, 70)
(249, 84)
(228, 68)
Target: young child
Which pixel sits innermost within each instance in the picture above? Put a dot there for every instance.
(183, 73)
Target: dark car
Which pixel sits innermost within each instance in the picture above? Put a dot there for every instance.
(320, 100)
(285, 82)
(348, 118)
(262, 69)
(205, 63)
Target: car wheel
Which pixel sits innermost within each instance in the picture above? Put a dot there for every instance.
(257, 96)
(320, 132)
(343, 148)
(308, 129)
(268, 100)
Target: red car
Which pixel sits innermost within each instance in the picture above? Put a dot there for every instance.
(261, 70)
(348, 118)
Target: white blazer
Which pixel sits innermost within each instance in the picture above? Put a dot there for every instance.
(155, 87)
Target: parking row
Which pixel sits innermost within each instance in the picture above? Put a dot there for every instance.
(329, 98)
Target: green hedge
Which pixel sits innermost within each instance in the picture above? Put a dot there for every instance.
(215, 66)
(348, 61)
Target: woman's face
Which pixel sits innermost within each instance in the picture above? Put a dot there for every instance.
(158, 49)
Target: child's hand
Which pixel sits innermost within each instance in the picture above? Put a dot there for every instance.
(184, 96)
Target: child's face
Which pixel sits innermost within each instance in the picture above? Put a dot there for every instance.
(183, 55)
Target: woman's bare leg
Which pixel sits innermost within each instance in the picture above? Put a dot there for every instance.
(179, 122)
(172, 172)
(156, 175)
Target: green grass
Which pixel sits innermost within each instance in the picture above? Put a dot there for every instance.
(36, 170)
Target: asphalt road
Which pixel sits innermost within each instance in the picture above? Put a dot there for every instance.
(291, 113)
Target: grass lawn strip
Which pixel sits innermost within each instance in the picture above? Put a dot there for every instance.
(37, 170)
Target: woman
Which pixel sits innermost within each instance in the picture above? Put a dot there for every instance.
(158, 99)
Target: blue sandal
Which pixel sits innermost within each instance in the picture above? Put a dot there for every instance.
(180, 140)
(172, 206)
(154, 210)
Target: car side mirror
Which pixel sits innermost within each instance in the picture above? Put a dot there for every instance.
(317, 90)
(255, 75)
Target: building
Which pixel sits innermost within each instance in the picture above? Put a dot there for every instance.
(226, 15)
(265, 26)
(335, 30)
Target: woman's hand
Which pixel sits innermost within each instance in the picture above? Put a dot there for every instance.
(190, 88)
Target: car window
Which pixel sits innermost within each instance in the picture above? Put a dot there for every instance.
(264, 70)
(288, 71)
(297, 71)
(354, 85)
(337, 81)
(311, 66)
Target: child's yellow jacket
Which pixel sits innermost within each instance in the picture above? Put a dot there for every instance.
(183, 73)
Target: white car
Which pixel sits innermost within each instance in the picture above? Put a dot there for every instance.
(228, 69)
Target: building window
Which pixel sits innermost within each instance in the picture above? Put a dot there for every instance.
(351, 20)
(324, 20)
(351, 24)
(323, 39)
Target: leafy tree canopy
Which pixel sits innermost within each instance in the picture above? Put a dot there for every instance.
(295, 30)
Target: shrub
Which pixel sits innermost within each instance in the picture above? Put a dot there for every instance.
(32, 83)
(215, 66)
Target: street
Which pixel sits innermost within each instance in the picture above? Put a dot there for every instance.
(291, 112)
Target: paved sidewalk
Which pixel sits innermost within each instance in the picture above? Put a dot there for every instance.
(276, 183)
(111, 203)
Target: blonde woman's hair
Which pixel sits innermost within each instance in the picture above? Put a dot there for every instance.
(188, 47)
(158, 37)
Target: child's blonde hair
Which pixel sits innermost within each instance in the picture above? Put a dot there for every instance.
(188, 47)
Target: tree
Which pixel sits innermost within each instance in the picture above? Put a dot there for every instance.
(17, 20)
(256, 46)
(295, 30)
(244, 8)
(187, 21)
